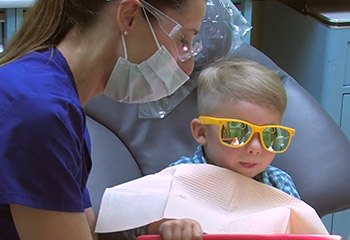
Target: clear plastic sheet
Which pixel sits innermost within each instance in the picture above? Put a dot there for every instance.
(160, 108)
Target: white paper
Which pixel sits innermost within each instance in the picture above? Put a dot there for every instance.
(220, 200)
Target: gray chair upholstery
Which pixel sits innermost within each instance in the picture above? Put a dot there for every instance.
(125, 147)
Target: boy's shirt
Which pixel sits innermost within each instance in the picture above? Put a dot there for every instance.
(272, 176)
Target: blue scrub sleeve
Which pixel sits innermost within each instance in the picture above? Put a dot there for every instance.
(41, 155)
(86, 199)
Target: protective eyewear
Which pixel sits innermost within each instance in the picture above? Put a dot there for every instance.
(237, 133)
(187, 47)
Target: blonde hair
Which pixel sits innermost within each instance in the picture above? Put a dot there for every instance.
(47, 22)
(239, 80)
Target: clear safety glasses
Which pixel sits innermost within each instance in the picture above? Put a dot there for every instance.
(187, 46)
(236, 133)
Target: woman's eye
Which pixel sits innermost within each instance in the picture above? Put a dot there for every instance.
(184, 45)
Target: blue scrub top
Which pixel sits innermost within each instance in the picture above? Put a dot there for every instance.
(44, 143)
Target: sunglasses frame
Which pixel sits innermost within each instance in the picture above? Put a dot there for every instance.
(160, 16)
(207, 120)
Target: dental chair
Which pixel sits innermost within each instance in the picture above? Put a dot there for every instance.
(126, 147)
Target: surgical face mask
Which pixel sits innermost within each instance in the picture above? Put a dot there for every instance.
(157, 77)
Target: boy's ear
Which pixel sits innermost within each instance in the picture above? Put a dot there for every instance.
(198, 131)
(127, 11)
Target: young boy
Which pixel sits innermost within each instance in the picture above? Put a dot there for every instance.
(241, 104)
(240, 107)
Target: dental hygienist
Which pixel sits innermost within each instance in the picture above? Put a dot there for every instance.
(67, 52)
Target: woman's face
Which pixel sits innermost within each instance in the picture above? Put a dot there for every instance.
(142, 44)
(250, 159)
(190, 18)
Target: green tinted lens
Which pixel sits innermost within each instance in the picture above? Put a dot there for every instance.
(235, 133)
(276, 139)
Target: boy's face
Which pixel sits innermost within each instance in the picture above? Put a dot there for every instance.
(250, 159)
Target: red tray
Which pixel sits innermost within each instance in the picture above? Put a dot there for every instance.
(255, 237)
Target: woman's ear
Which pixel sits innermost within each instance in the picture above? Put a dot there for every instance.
(127, 11)
(198, 131)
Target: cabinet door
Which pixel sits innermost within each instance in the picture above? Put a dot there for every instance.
(345, 118)
(341, 224)
(328, 221)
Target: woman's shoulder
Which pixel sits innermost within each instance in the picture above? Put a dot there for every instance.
(39, 89)
(37, 71)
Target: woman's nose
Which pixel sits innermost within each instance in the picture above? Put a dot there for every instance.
(187, 66)
(254, 147)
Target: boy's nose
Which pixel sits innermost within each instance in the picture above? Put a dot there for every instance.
(254, 147)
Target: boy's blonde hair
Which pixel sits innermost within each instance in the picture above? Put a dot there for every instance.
(238, 80)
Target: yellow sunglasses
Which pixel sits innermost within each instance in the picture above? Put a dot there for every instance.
(237, 133)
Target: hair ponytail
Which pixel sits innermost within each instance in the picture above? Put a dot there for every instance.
(47, 23)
